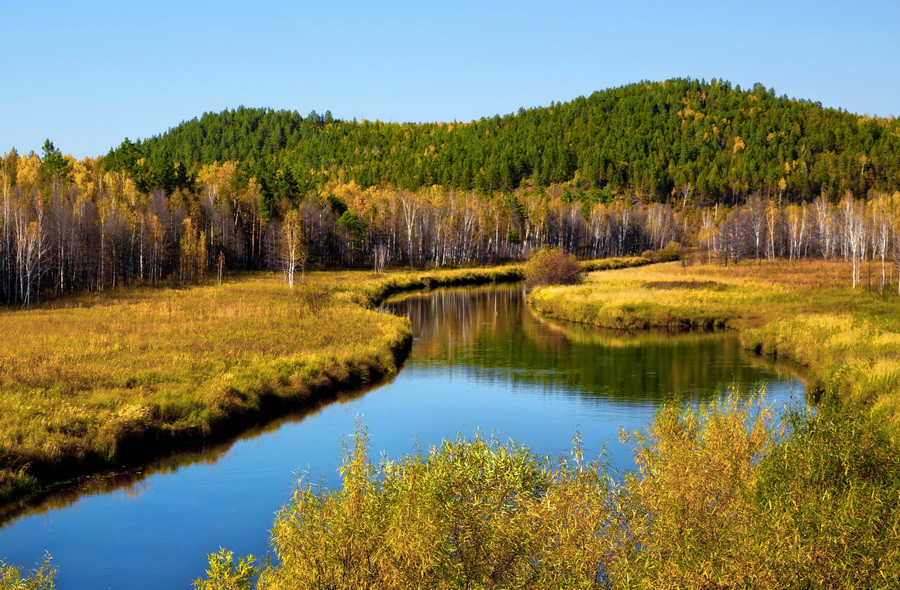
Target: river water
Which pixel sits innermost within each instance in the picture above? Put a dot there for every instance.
(480, 361)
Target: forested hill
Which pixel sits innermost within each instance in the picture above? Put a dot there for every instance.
(678, 139)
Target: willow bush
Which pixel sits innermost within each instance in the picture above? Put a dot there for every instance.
(551, 266)
(468, 513)
(723, 496)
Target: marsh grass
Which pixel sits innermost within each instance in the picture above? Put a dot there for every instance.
(804, 310)
(87, 384)
(100, 379)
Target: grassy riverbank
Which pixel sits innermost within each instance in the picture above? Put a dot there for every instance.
(111, 378)
(98, 380)
(805, 310)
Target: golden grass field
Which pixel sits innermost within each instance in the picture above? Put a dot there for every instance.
(849, 339)
(84, 378)
(91, 380)
(94, 379)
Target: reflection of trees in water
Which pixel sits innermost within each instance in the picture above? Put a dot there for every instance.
(447, 321)
(132, 482)
(492, 333)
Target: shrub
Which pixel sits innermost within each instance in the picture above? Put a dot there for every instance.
(467, 514)
(225, 574)
(722, 497)
(551, 266)
(668, 253)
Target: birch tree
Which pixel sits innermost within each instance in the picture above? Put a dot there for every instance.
(293, 245)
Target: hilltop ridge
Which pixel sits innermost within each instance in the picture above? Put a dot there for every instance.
(680, 139)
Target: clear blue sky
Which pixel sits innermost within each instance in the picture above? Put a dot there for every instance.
(87, 74)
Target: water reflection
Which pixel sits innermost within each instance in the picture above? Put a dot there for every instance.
(129, 481)
(481, 360)
(500, 339)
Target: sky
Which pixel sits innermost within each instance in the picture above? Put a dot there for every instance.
(88, 74)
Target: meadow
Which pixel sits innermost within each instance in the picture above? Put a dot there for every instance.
(97, 380)
(103, 379)
(804, 310)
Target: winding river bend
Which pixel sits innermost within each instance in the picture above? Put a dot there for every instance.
(480, 361)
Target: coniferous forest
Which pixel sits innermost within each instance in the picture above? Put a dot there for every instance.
(738, 173)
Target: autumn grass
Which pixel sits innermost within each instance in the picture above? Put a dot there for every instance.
(804, 310)
(95, 380)
(371, 288)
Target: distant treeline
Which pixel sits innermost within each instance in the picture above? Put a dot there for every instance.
(681, 140)
(68, 225)
(736, 173)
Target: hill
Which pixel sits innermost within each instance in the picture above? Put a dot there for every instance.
(680, 139)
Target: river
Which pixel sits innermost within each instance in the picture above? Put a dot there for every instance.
(481, 360)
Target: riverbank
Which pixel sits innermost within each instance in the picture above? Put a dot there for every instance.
(102, 381)
(803, 310)
(118, 378)
(107, 380)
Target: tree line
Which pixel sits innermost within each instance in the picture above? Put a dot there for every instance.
(679, 140)
(69, 226)
(854, 230)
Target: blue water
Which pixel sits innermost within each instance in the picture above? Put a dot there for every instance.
(481, 361)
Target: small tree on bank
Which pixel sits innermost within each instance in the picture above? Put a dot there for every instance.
(293, 245)
(551, 266)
